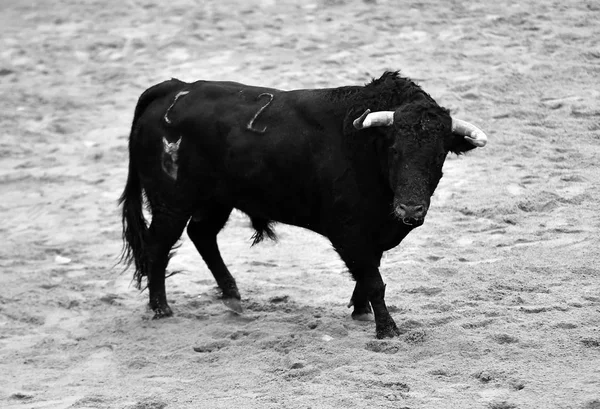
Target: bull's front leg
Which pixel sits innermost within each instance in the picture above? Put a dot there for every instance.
(374, 288)
(362, 308)
(370, 289)
(385, 326)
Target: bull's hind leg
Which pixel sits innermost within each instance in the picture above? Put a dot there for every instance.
(164, 232)
(202, 230)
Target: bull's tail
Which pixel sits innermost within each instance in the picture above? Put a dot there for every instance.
(135, 226)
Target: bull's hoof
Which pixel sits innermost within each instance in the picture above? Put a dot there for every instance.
(362, 316)
(387, 331)
(233, 304)
(362, 311)
(163, 311)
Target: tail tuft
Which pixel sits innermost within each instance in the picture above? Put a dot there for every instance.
(263, 227)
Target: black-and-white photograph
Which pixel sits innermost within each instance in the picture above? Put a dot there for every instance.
(307, 204)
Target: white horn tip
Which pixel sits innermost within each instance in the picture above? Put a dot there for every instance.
(478, 139)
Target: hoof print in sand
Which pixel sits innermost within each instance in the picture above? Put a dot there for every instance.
(211, 346)
(416, 337)
(386, 347)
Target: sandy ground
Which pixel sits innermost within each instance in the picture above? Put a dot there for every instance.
(497, 295)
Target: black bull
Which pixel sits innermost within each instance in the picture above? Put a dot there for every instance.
(317, 159)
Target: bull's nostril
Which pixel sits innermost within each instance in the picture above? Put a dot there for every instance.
(401, 210)
(419, 211)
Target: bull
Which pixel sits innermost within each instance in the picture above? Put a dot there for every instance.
(356, 164)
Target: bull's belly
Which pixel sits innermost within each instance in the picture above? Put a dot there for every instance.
(293, 213)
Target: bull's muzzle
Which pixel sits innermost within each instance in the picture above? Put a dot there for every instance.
(411, 215)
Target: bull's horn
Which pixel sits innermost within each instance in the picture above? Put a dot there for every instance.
(369, 119)
(471, 133)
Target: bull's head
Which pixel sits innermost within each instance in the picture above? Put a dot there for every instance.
(418, 141)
